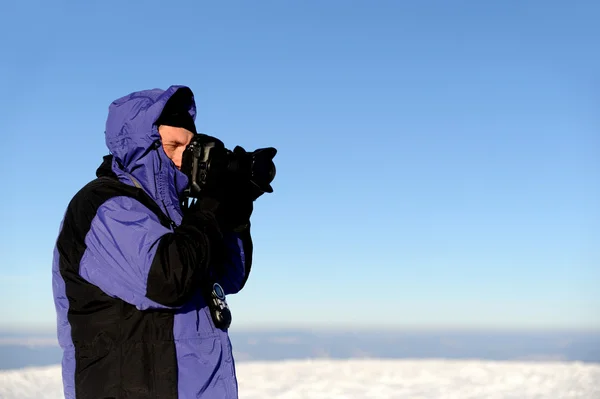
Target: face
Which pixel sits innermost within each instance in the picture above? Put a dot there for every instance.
(174, 141)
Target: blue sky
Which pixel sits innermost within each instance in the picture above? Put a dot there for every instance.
(437, 167)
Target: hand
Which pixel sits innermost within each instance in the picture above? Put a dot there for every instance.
(231, 213)
(234, 213)
(202, 215)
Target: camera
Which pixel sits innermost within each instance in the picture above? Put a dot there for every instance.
(208, 164)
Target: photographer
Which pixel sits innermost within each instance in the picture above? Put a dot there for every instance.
(134, 271)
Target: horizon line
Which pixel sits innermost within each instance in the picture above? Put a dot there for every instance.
(43, 330)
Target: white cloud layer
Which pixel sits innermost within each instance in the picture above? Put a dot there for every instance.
(382, 379)
(31, 342)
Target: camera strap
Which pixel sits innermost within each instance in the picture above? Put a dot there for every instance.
(140, 195)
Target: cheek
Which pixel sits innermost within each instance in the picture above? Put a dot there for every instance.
(168, 151)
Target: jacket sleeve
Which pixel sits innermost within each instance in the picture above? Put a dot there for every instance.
(239, 264)
(132, 256)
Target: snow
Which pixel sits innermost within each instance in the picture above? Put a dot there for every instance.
(382, 379)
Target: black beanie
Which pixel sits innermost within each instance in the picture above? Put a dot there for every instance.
(176, 112)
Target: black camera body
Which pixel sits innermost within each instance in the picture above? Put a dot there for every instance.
(208, 165)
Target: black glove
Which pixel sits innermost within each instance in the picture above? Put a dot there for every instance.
(244, 186)
(230, 196)
(234, 213)
(202, 216)
(231, 213)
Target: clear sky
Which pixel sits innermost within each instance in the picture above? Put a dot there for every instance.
(438, 161)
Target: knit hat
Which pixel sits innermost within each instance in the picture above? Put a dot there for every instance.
(175, 112)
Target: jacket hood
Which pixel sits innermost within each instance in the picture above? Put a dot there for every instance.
(134, 142)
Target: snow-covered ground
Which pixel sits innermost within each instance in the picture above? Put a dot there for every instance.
(357, 379)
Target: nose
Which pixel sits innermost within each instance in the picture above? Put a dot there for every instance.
(177, 159)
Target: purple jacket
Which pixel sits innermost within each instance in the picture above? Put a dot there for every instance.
(131, 318)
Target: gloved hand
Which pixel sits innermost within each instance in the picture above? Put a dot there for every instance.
(200, 222)
(230, 197)
(246, 188)
(233, 209)
(218, 218)
(234, 213)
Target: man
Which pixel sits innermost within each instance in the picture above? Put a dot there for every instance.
(130, 268)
